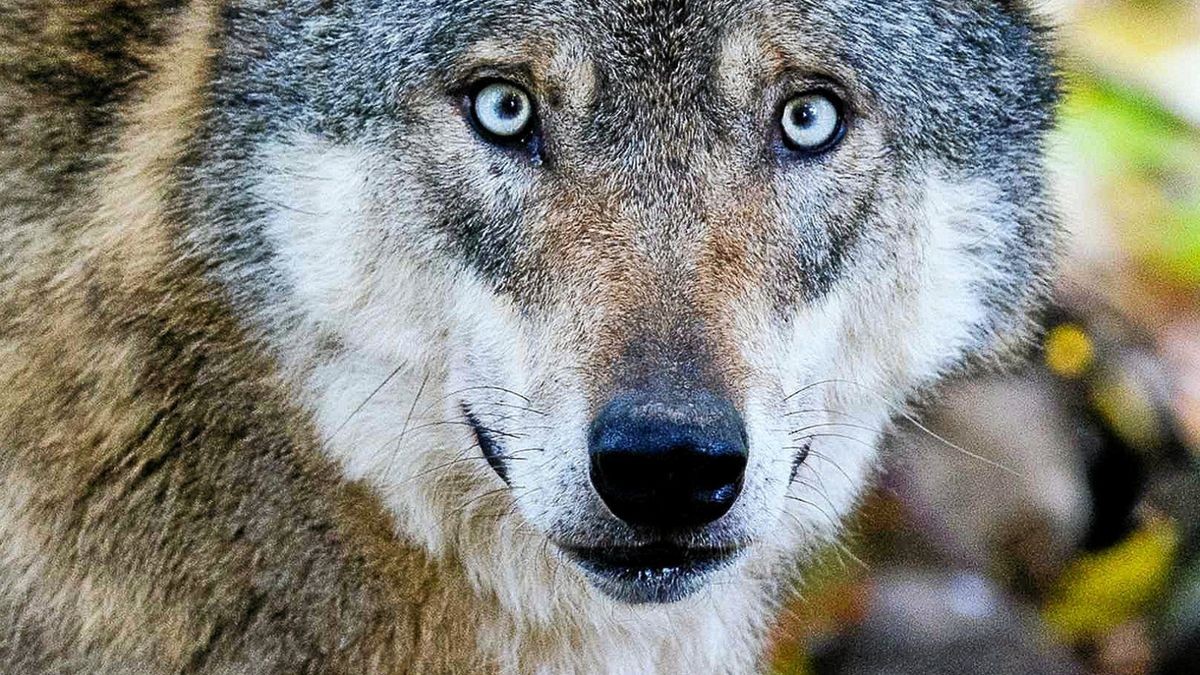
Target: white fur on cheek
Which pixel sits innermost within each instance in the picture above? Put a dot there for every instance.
(317, 191)
(856, 355)
(960, 218)
(371, 392)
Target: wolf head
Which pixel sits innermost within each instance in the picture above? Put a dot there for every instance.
(623, 289)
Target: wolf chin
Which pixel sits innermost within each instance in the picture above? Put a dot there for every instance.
(490, 336)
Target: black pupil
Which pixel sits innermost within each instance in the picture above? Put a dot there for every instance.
(510, 105)
(803, 115)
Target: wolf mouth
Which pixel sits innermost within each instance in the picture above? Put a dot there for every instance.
(661, 572)
(656, 573)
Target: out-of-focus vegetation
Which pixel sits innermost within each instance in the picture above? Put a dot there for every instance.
(1089, 563)
(1144, 161)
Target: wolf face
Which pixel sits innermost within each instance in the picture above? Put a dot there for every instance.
(621, 295)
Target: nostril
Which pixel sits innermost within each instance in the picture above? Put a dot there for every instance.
(715, 471)
(628, 471)
(668, 463)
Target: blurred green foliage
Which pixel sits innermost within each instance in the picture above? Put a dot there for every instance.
(1147, 164)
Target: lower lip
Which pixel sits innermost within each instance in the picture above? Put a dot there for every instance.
(650, 574)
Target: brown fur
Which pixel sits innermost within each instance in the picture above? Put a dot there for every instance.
(142, 437)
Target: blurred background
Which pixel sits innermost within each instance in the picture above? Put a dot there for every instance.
(1085, 556)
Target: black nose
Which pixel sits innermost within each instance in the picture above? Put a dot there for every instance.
(668, 461)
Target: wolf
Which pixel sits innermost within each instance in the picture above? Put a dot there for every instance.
(460, 336)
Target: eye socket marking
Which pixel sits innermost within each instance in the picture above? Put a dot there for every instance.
(502, 111)
(812, 122)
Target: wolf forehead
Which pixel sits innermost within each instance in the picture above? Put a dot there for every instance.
(959, 77)
(966, 82)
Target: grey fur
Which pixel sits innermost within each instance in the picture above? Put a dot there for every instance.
(969, 84)
(206, 456)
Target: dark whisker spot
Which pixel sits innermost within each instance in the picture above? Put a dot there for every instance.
(488, 446)
(798, 460)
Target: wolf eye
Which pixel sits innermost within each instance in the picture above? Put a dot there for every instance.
(502, 110)
(812, 122)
